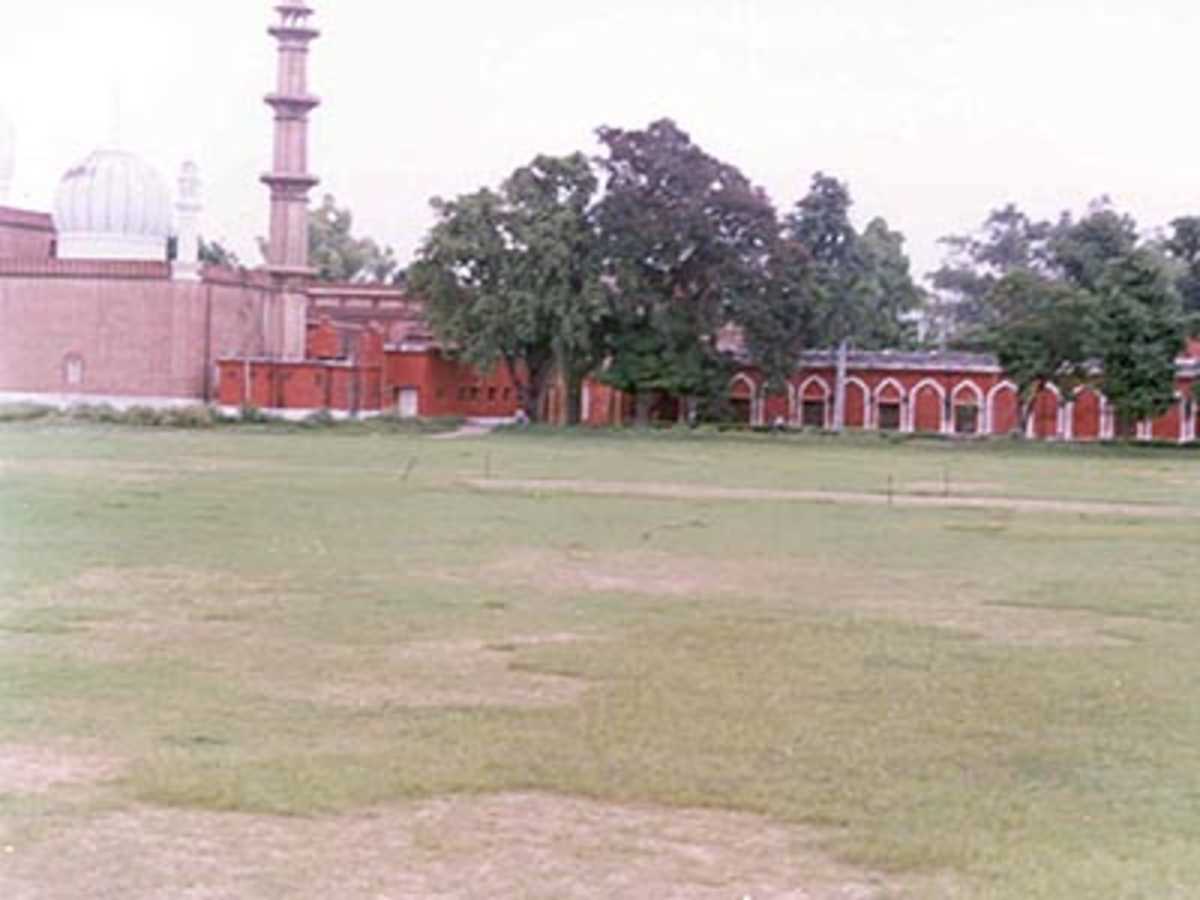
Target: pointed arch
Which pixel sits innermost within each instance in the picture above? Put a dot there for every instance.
(928, 405)
(1003, 407)
(1088, 412)
(814, 402)
(889, 406)
(745, 398)
(968, 413)
(858, 402)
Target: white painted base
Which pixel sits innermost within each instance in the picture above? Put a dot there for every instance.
(116, 401)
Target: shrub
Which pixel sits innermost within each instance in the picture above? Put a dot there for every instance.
(25, 412)
(252, 415)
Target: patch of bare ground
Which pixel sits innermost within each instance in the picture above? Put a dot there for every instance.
(35, 769)
(674, 491)
(125, 613)
(1026, 626)
(460, 673)
(110, 470)
(512, 846)
(800, 585)
(634, 573)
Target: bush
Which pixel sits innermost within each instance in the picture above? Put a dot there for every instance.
(143, 416)
(189, 417)
(25, 412)
(322, 418)
(252, 415)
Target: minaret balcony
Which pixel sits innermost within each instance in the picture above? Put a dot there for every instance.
(301, 104)
(294, 35)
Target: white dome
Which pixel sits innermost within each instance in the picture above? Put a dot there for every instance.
(8, 156)
(112, 206)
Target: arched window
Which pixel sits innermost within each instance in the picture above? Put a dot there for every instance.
(73, 370)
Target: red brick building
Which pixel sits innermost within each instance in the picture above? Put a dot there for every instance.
(92, 311)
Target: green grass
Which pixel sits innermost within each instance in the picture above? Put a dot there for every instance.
(309, 622)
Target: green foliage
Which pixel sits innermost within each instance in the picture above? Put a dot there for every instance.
(1039, 329)
(512, 278)
(216, 254)
(684, 236)
(1081, 252)
(1183, 246)
(1139, 335)
(1060, 304)
(861, 285)
(338, 255)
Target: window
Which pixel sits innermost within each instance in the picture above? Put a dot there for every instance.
(491, 395)
(966, 420)
(813, 414)
(462, 393)
(73, 370)
(889, 416)
(475, 393)
(508, 394)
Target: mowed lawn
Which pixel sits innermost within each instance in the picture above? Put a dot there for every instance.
(286, 663)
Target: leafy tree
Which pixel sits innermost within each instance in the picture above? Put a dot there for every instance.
(214, 253)
(1040, 333)
(886, 289)
(778, 312)
(557, 264)
(1183, 246)
(1008, 241)
(861, 283)
(512, 278)
(1081, 252)
(1139, 334)
(820, 222)
(339, 256)
(683, 235)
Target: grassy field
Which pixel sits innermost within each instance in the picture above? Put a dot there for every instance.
(272, 663)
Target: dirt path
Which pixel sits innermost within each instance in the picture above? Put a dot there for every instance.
(668, 491)
(470, 430)
(539, 847)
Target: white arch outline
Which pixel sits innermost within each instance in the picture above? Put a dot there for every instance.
(755, 396)
(1107, 426)
(875, 396)
(914, 395)
(1060, 417)
(866, 393)
(967, 385)
(990, 404)
(798, 399)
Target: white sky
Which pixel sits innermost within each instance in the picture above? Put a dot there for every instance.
(935, 111)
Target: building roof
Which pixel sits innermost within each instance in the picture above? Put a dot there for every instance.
(26, 219)
(137, 270)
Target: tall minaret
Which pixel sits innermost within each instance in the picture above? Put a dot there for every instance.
(290, 182)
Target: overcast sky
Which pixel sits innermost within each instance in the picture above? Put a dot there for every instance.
(934, 111)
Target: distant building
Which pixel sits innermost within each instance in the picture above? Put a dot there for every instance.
(92, 311)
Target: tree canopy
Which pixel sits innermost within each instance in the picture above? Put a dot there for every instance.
(684, 237)
(1077, 299)
(512, 279)
(338, 255)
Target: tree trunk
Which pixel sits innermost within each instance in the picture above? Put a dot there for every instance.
(573, 403)
(642, 402)
(534, 401)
